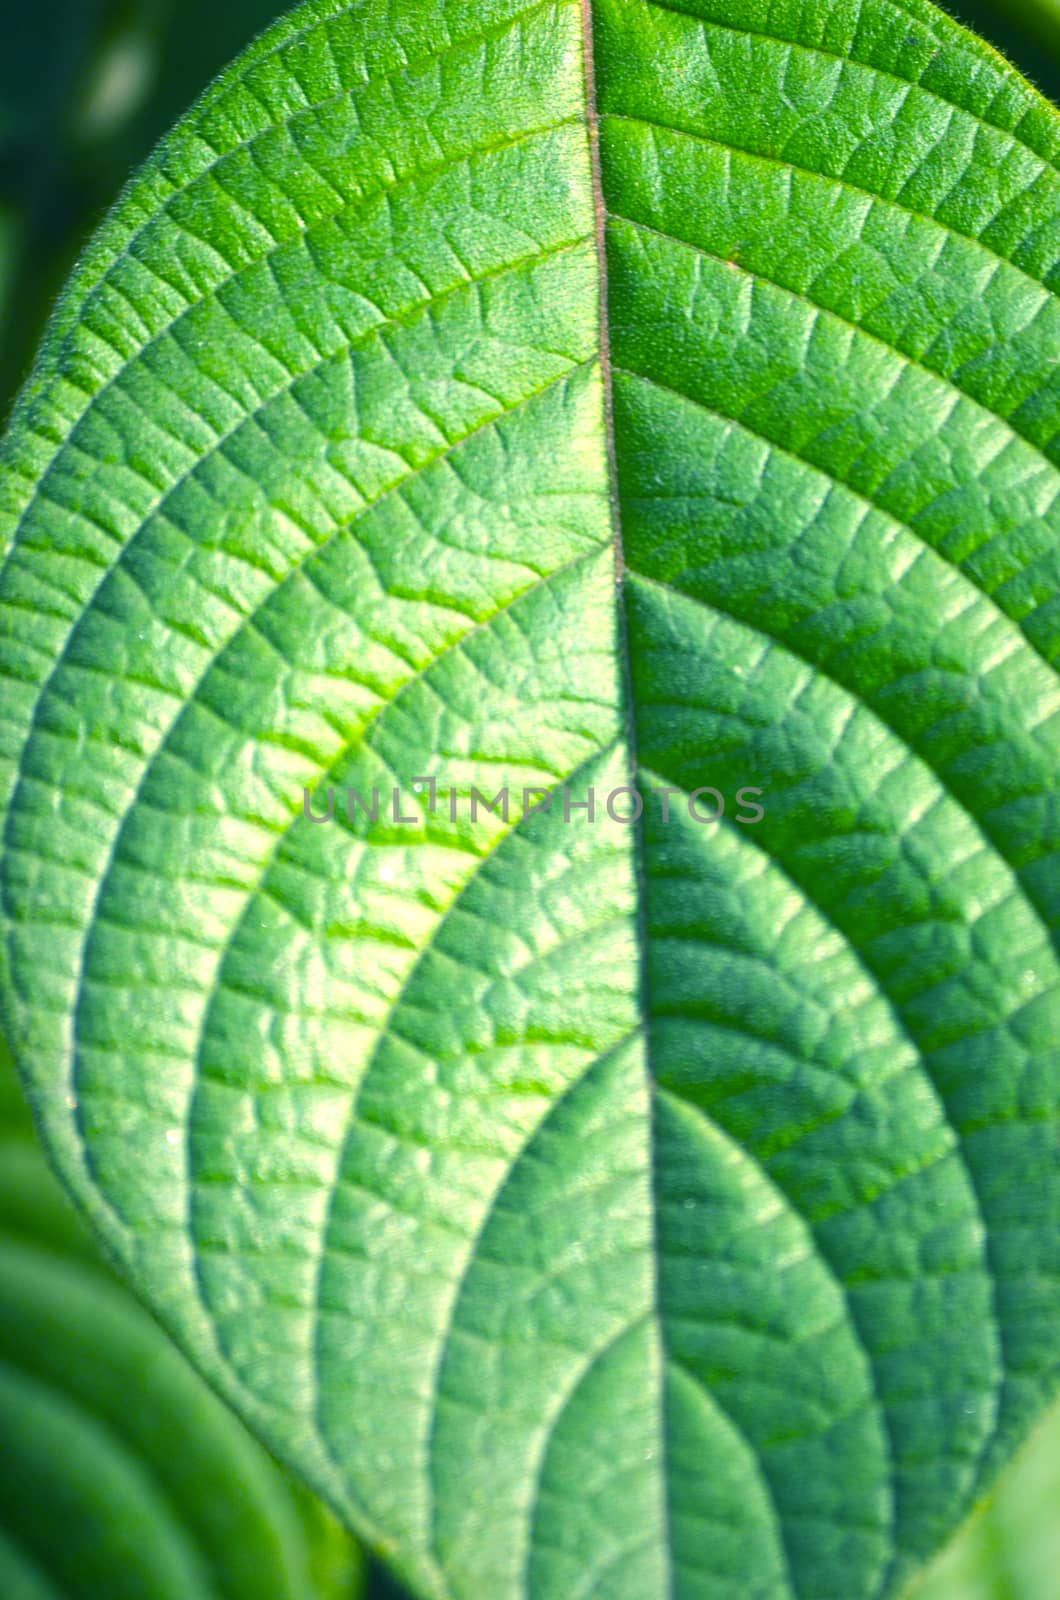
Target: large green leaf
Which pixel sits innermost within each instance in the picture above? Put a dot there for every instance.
(587, 1209)
(120, 1473)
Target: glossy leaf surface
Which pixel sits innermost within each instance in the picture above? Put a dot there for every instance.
(549, 397)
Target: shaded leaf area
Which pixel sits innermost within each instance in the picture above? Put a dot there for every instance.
(121, 1475)
(656, 397)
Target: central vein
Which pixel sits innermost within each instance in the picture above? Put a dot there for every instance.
(600, 233)
(629, 706)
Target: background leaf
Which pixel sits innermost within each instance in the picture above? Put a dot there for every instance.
(860, 400)
(120, 1473)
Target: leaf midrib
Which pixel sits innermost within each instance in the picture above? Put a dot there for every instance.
(629, 722)
(602, 216)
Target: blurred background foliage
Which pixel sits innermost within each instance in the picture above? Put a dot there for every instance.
(86, 88)
(122, 1477)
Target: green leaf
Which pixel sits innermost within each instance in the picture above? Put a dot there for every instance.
(120, 1473)
(585, 1209)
